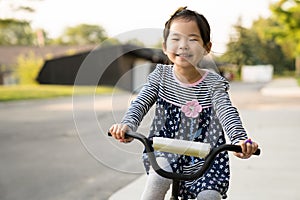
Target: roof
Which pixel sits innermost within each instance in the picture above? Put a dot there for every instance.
(9, 54)
(154, 55)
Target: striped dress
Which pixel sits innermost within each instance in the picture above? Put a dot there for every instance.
(201, 111)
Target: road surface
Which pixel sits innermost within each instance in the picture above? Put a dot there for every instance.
(56, 149)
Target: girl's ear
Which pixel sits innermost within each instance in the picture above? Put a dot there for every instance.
(208, 48)
(164, 47)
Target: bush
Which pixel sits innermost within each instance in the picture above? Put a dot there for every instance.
(27, 69)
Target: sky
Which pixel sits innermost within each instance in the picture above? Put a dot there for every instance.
(138, 18)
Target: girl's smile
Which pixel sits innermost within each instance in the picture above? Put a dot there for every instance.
(184, 45)
(185, 55)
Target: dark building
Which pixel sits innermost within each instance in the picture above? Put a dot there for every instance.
(111, 65)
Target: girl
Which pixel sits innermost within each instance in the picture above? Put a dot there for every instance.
(191, 104)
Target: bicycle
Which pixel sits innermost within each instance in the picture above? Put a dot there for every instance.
(208, 155)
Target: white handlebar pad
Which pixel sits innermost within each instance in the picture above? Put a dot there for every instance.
(183, 147)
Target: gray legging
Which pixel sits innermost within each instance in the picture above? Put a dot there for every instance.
(156, 186)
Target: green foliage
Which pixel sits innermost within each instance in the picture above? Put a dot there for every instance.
(83, 34)
(28, 68)
(23, 92)
(287, 14)
(110, 42)
(15, 32)
(272, 52)
(242, 48)
(258, 45)
(158, 45)
(274, 40)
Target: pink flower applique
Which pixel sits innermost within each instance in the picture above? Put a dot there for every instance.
(191, 108)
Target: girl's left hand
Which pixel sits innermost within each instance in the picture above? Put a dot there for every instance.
(248, 148)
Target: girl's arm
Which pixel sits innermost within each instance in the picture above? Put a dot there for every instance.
(139, 107)
(144, 101)
(230, 119)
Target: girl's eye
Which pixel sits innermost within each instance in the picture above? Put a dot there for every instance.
(175, 39)
(193, 39)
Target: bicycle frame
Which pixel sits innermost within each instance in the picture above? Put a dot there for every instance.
(176, 177)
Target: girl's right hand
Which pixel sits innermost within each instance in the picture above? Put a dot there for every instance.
(118, 132)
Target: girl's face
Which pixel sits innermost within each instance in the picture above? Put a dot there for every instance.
(184, 45)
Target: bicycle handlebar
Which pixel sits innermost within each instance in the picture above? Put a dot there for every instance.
(176, 176)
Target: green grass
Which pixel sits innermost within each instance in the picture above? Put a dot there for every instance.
(23, 92)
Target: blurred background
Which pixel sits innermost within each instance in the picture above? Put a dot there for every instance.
(69, 69)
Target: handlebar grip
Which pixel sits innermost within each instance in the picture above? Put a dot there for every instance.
(238, 149)
(183, 147)
(109, 134)
(257, 152)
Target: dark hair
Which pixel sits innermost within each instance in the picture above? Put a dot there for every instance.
(184, 13)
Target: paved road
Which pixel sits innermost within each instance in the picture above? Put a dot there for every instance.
(274, 122)
(42, 157)
(57, 150)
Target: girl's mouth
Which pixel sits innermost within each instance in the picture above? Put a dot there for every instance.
(183, 55)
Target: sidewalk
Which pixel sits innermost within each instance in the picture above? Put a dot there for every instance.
(283, 87)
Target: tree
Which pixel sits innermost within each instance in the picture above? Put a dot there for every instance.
(287, 13)
(257, 45)
(272, 52)
(83, 34)
(16, 32)
(110, 42)
(242, 47)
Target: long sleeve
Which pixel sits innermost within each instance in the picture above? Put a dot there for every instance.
(144, 101)
(226, 112)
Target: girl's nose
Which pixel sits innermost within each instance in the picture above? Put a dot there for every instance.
(183, 45)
